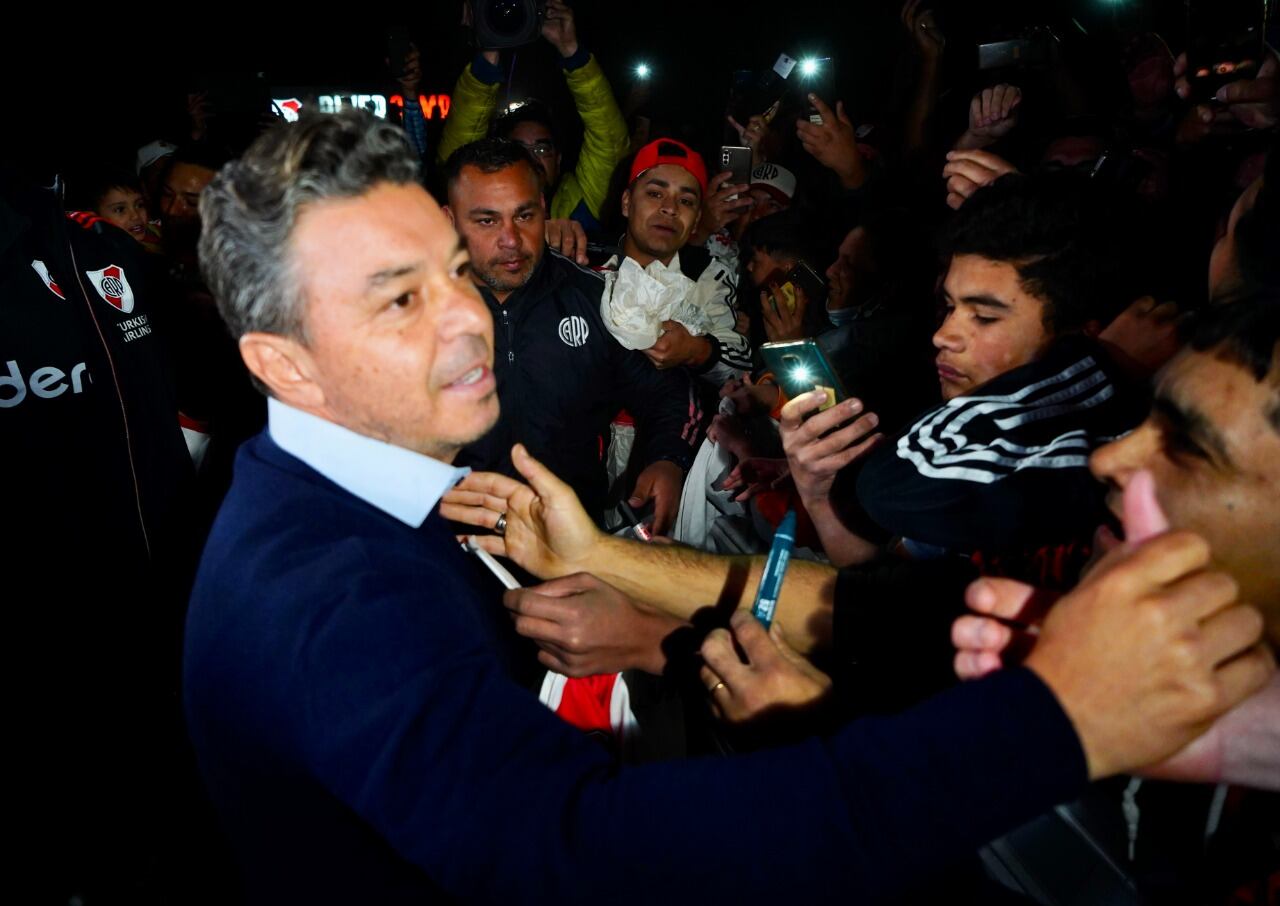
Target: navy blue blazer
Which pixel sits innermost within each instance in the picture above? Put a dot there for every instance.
(363, 742)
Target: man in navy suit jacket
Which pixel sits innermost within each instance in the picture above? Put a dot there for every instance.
(347, 684)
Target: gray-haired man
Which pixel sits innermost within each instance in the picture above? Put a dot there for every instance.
(345, 673)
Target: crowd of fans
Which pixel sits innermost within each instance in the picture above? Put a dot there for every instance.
(1053, 327)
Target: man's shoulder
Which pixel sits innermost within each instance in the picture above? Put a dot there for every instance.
(710, 273)
(570, 273)
(288, 538)
(277, 501)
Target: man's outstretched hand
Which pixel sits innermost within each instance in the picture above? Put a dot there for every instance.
(547, 531)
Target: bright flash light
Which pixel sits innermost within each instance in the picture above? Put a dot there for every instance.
(809, 67)
(642, 70)
(800, 374)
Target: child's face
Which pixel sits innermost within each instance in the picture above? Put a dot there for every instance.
(126, 209)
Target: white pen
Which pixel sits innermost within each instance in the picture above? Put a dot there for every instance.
(504, 576)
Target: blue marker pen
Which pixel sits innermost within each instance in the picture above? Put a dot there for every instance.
(774, 569)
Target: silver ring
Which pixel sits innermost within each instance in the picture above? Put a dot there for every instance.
(717, 686)
(500, 527)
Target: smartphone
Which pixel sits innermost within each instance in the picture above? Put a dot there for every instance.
(1224, 43)
(817, 76)
(771, 85)
(738, 159)
(1034, 50)
(801, 366)
(808, 279)
(1120, 169)
(782, 285)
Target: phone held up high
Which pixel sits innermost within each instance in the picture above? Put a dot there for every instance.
(737, 159)
(1224, 43)
(817, 76)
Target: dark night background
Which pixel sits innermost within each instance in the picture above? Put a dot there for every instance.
(110, 86)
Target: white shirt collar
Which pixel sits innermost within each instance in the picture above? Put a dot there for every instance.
(398, 481)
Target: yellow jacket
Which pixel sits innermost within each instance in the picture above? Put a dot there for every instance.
(604, 143)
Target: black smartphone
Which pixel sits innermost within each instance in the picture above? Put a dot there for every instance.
(737, 159)
(1120, 169)
(782, 286)
(1224, 43)
(817, 75)
(800, 366)
(771, 86)
(804, 276)
(1033, 50)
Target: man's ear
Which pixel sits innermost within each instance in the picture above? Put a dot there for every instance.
(448, 212)
(626, 202)
(285, 367)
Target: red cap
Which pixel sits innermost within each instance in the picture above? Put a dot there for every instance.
(670, 151)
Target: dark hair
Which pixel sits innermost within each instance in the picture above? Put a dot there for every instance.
(89, 194)
(1055, 234)
(531, 111)
(1257, 234)
(209, 155)
(785, 233)
(489, 155)
(1245, 332)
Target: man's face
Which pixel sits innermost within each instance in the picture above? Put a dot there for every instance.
(992, 325)
(662, 208)
(1224, 271)
(180, 192)
(766, 203)
(398, 339)
(762, 265)
(1213, 445)
(541, 144)
(503, 223)
(848, 274)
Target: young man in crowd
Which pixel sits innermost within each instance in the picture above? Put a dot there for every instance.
(1211, 449)
(1204, 460)
(662, 204)
(561, 376)
(1026, 394)
(187, 171)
